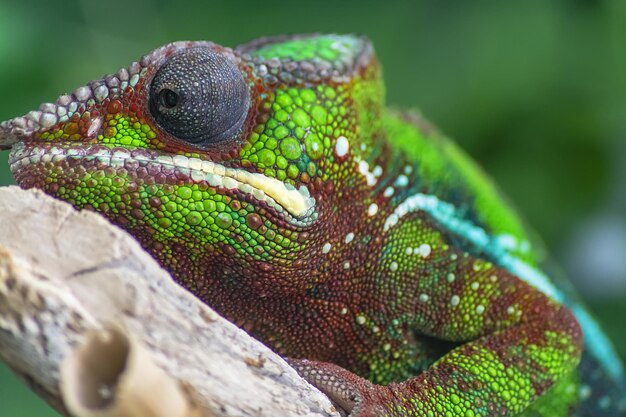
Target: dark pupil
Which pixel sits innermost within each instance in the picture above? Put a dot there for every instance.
(168, 98)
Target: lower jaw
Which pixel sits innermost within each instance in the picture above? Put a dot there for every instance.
(159, 205)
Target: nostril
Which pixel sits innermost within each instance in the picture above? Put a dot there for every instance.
(94, 127)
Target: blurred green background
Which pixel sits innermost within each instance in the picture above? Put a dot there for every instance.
(534, 90)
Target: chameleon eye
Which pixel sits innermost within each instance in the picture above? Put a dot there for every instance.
(199, 96)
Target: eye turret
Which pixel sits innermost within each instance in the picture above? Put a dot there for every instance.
(199, 96)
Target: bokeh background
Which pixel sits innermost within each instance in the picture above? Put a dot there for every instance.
(534, 90)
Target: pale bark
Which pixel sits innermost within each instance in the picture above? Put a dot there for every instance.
(95, 326)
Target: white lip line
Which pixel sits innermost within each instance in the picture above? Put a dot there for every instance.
(278, 195)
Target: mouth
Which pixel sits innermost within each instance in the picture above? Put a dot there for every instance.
(295, 205)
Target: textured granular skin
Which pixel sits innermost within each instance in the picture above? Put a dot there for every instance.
(273, 183)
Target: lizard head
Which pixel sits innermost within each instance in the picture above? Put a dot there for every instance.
(218, 161)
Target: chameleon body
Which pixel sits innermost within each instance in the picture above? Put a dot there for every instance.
(274, 184)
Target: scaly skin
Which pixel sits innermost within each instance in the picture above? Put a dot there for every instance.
(273, 183)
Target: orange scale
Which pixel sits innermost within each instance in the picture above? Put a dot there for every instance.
(114, 106)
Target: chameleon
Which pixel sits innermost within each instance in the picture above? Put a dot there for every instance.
(272, 181)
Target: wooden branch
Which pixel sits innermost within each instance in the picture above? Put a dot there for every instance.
(97, 328)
